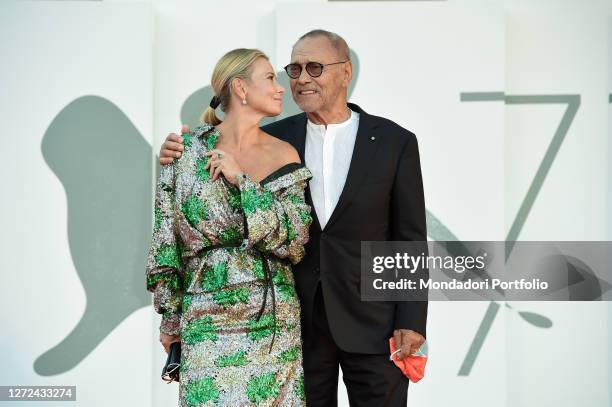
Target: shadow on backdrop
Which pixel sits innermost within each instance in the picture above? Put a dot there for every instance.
(104, 165)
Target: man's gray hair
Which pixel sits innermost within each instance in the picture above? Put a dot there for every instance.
(336, 41)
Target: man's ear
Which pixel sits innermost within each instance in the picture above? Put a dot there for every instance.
(348, 74)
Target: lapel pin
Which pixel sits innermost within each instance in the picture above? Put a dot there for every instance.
(372, 138)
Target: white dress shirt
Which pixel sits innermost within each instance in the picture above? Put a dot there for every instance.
(328, 153)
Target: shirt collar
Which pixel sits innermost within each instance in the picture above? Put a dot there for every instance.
(320, 128)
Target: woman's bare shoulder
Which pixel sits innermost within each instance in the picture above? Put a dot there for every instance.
(283, 152)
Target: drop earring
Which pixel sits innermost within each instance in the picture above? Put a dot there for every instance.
(244, 101)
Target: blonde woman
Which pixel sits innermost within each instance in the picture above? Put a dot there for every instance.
(230, 218)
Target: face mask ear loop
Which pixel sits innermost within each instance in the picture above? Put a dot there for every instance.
(391, 356)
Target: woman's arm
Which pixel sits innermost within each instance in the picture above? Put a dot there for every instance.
(277, 221)
(163, 271)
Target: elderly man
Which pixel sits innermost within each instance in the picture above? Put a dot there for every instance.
(366, 185)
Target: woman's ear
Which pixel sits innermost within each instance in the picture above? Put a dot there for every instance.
(239, 88)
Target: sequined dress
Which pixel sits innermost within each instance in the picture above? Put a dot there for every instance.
(219, 268)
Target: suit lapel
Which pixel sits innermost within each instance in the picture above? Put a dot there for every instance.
(298, 134)
(361, 160)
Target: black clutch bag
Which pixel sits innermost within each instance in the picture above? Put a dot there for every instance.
(170, 372)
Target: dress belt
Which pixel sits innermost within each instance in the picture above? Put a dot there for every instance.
(268, 283)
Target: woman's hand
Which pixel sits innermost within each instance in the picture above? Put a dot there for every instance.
(223, 163)
(166, 340)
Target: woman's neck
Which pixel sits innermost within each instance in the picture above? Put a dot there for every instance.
(238, 131)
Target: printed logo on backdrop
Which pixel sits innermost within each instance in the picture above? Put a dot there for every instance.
(104, 164)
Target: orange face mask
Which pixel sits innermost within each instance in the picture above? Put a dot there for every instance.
(412, 366)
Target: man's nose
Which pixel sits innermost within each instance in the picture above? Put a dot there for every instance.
(304, 77)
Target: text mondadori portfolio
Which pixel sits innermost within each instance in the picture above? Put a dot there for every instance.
(486, 284)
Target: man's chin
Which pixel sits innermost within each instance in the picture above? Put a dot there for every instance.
(307, 107)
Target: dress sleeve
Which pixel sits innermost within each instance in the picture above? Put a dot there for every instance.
(277, 219)
(163, 271)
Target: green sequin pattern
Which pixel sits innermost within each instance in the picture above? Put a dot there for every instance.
(168, 255)
(231, 297)
(290, 355)
(200, 330)
(262, 328)
(299, 388)
(229, 235)
(215, 277)
(202, 173)
(235, 359)
(201, 391)
(187, 139)
(194, 210)
(284, 284)
(262, 387)
(212, 298)
(252, 200)
(158, 219)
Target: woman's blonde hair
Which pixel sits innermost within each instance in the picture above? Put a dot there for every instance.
(235, 64)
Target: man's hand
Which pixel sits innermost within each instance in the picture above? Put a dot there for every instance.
(166, 340)
(408, 341)
(172, 147)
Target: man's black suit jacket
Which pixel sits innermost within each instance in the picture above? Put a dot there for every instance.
(382, 199)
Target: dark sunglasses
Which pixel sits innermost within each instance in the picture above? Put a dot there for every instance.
(314, 69)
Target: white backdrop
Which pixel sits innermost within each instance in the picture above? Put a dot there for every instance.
(54, 53)
(143, 67)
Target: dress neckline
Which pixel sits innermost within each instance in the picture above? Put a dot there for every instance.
(284, 170)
